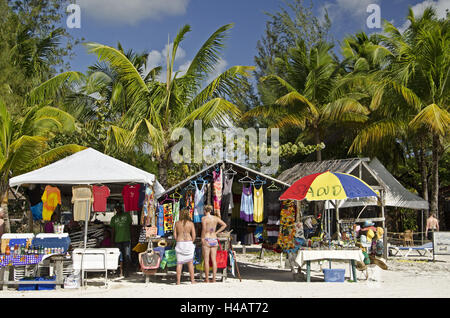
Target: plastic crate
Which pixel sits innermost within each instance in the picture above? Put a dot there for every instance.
(47, 286)
(334, 275)
(23, 287)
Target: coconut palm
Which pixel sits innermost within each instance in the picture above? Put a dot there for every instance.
(419, 75)
(305, 93)
(159, 107)
(24, 143)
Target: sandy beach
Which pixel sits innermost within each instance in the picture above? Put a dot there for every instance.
(267, 279)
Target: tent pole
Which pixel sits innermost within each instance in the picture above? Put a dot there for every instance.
(86, 221)
(421, 227)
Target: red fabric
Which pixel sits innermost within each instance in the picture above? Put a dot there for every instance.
(130, 194)
(101, 195)
(299, 189)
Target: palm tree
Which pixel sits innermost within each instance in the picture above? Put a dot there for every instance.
(24, 144)
(419, 75)
(306, 99)
(158, 108)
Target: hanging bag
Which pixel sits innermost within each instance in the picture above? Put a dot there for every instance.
(149, 259)
(221, 258)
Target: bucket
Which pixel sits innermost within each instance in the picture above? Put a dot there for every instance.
(334, 275)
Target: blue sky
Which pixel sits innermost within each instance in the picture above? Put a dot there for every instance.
(145, 25)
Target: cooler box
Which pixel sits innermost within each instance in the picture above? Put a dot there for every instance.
(334, 275)
(92, 259)
(50, 240)
(12, 239)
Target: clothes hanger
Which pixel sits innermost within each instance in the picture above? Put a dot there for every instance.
(230, 171)
(166, 198)
(178, 196)
(273, 187)
(246, 179)
(259, 182)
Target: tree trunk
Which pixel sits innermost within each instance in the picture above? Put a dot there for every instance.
(435, 176)
(317, 142)
(162, 171)
(4, 206)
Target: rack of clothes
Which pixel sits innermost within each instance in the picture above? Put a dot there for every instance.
(248, 203)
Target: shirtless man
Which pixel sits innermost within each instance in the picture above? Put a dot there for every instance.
(184, 234)
(209, 240)
(432, 225)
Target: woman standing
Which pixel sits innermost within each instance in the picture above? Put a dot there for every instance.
(184, 234)
(209, 240)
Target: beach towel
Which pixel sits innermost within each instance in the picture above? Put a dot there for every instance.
(185, 252)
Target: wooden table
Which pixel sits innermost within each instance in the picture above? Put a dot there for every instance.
(306, 256)
(56, 262)
(225, 241)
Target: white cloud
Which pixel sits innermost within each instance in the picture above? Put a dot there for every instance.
(221, 67)
(343, 8)
(440, 6)
(132, 12)
(158, 58)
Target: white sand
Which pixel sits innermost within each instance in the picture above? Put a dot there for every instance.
(265, 278)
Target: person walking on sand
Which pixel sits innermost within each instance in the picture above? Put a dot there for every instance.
(184, 234)
(432, 225)
(209, 240)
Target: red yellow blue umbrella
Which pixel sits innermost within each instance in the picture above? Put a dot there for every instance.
(328, 186)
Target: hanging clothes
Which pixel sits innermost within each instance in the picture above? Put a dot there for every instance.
(190, 202)
(160, 220)
(286, 238)
(34, 194)
(168, 218)
(50, 198)
(226, 201)
(208, 192)
(217, 177)
(272, 204)
(247, 204)
(199, 203)
(101, 194)
(82, 199)
(258, 205)
(148, 208)
(130, 194)
(176, 211)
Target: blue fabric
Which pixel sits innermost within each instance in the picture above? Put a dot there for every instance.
(199, 203)
(353, 187)
(160, 220)
(246, 212)
(36, 211)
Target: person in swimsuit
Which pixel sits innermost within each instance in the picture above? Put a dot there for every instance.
(432, 226)
(209, 240)
(184, 234)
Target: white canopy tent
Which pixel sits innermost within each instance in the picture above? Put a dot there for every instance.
(88, 166)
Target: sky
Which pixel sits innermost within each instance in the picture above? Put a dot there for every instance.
(149, 25)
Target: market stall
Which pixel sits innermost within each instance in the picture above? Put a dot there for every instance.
(326, 186)
(245, 199)
(89, 184)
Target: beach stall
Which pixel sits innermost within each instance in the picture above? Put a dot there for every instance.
(345, 221)
(323, 186)
(80, 191)
(245, 199)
